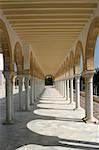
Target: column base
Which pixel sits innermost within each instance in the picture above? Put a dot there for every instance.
(77, 109)
(72, 103)
(90, 120)
(65, 97)
(31, 103)
(8, 122)
(68, 99)
(35, 99)
(28, 110)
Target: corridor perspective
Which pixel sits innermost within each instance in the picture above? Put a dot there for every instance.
(49, 74)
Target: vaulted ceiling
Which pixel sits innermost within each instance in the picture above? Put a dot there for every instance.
(50, 26)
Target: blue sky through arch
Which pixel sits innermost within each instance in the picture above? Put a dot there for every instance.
(96, 55)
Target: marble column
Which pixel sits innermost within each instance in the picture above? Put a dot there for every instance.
(32, 91)
(68, 98)
(89, 97)
(35, 90)
(27, 96)
(9, 101)
(65, 89)
(20, 79)
(77, 86)
(71, 91)
(85, 99)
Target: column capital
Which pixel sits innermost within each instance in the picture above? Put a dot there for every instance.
(88, 73)
(77, 76)
(20, 78)
(71, 78)
(8, 75)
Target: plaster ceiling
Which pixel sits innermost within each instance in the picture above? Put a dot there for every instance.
(50, 26)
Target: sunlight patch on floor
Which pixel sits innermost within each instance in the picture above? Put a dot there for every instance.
(38, 147)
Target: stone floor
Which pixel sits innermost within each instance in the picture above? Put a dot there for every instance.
(52, 124)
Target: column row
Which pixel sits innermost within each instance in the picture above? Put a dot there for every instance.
(69, 94)
(30, 94)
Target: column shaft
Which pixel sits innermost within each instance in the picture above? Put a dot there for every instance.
(9, 100)
(77, 82)
(27, 98)
(68, 90)
(89, 97)
(35, 89)
(20, 92)
(71, 91)
(86, 105)
(32, 92)
(65, 89)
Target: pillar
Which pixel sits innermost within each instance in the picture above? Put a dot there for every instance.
(65, 89)
(20, 79)
(9, 101)
(85, 99)
(71, 91)
(32, 91)
(89, 97)
(68, 89)
(27, 96)
(77, 86)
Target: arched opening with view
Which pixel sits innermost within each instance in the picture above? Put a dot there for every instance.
(2, 79)
(5, 56)
(92, 53)
(79, 63)
(96, 66)
(18, 66)
(49, 80)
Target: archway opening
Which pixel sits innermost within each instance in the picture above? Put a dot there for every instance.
(96, 66)
(49, 80)
(82, 81)
(2, 79)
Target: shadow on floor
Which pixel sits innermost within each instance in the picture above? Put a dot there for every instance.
(17, 135)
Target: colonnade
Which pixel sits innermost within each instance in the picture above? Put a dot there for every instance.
(30, 93)
(69, 93)
(65, 86)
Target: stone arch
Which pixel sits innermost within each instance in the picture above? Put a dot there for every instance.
(31, 63)
(71, 63)
(5, 47)
(90, 44)
(78, 51)
(18, 57)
